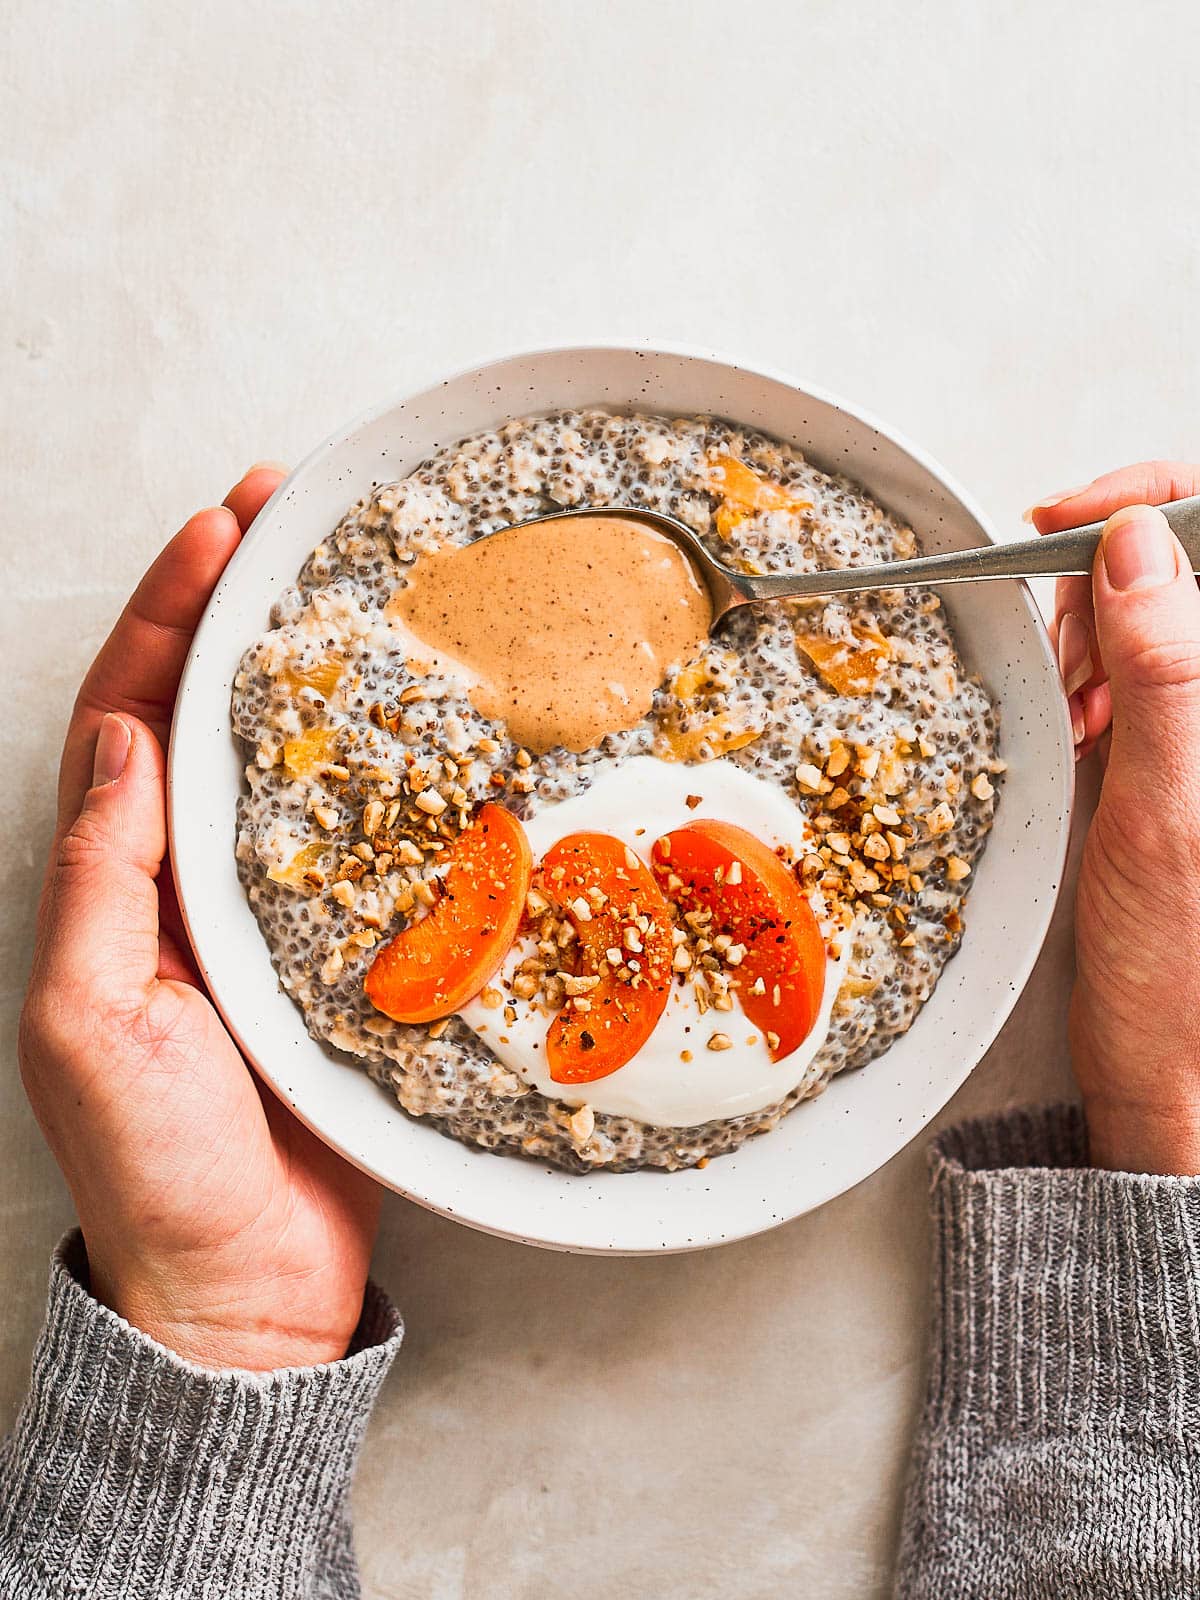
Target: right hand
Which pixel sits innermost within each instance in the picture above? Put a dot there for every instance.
(1129, 648)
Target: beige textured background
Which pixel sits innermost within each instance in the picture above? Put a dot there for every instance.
(226, 228)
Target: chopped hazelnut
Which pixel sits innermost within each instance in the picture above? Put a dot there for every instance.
(839, 760)
(583, 1124)
(939, 820)
(577, 985)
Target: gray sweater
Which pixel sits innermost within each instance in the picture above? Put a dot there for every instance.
(1058, 1454)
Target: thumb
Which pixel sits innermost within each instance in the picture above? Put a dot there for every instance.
(1148, 628)
(98, 929)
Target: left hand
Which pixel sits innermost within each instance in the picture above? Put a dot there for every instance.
(213, 1220)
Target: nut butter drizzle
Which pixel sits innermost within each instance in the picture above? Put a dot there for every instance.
(562, 629)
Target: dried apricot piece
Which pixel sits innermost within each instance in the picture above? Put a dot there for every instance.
(743, 492)
(311, 753)
(848, 668)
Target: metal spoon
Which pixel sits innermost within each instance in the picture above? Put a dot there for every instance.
(1053, 555)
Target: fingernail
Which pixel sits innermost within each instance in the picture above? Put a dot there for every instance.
(1139, 549)
(1074, 652)
(268, 466)
(1078, 725)
(112, 751)
(1052, 500)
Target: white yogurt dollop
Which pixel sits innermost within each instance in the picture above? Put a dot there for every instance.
(638, 803)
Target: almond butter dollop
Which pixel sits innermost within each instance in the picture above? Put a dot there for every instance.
(562, 629)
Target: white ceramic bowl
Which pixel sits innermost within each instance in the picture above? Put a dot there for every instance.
(864, 1117)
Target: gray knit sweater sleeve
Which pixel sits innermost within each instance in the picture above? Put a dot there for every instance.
(1058, 1455)
(133, 1473)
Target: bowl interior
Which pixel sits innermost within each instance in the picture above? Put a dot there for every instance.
(864, 1117)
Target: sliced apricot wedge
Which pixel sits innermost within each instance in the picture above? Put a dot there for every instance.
(754, 899)
(623, 942)
(435, 965)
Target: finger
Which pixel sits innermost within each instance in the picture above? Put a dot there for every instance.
(1147, 483)
(313, 1165)
(1148, 624)
(1073, 594)
(137, 671)
(175, 959)
(1096, 707)
(247, 498)
(98, 922)
(1080, 658)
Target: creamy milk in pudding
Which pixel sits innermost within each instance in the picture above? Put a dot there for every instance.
(746, 856)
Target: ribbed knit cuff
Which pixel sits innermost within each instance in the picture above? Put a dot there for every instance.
(132, 1472)
(1064, 1296)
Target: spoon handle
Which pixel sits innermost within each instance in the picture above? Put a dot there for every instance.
(1053, 555)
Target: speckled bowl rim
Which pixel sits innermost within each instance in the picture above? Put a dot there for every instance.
(828, 1145)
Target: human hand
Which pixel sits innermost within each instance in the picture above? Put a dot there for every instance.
(1129, 650)
(213, 1220)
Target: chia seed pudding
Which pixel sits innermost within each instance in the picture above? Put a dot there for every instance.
(361, 771)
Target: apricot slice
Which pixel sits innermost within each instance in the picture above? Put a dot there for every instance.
(617, 911)
(436, 964)
(754, 899)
